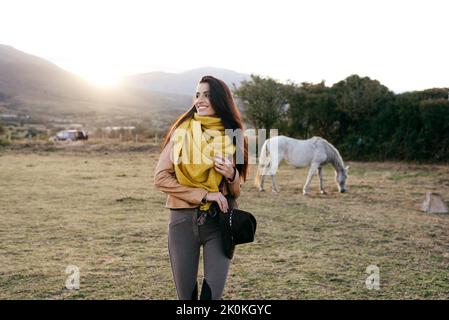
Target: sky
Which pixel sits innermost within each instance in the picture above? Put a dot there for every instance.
(403, 44)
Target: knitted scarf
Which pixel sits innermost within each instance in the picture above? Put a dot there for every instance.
(196, 142)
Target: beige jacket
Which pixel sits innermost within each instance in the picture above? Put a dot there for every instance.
(180, 196)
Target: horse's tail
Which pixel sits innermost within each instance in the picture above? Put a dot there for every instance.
(264, 160)
(257, 178)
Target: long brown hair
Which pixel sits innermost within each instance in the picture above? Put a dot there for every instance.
(224, 106)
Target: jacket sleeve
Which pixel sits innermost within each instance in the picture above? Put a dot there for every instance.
(234, 185)
(165, 179)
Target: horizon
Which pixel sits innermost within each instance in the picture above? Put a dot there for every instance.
(172, 71)
(118, 82)
(400, 44)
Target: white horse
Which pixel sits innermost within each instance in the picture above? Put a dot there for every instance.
(314, 152)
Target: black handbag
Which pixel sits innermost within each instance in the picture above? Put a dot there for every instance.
(237, 227)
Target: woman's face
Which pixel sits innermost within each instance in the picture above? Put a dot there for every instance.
(202, 102)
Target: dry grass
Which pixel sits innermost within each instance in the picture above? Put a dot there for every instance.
(100, 212)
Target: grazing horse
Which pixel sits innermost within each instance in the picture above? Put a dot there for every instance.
(314, 152)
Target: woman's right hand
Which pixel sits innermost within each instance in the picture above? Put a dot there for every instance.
(219, 198)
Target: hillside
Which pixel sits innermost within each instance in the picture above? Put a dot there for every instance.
(34, 86)
(181, 83)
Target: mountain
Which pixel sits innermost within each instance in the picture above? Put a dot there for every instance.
(35, 86)
(30, 77)
(181, 83)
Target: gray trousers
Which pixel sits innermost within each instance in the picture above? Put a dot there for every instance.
(185, 238)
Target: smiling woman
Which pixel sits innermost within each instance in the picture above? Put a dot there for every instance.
(196, 192)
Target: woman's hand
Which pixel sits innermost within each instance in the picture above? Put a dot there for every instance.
(219, 198)
(224, 166)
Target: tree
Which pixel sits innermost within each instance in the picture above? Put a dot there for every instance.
(360, 98)
(361, 101)
(263, 101)
(313, 111)
(435, 129)
(406, 138)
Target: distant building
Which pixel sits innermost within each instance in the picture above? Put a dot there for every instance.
(109, 129)
(14, 116)
(8, 116)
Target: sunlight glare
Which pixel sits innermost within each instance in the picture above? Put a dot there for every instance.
(101, 79)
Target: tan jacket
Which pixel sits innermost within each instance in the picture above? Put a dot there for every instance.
(180, 196)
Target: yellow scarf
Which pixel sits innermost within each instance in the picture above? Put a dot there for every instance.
(196, 142)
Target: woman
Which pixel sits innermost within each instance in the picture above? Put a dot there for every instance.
(199, 164)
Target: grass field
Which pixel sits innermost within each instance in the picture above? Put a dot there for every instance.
(99, 211)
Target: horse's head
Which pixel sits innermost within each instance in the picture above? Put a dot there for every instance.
(340, 178)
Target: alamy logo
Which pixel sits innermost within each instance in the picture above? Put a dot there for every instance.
(73, 280)
(373, 281)
(219, 144)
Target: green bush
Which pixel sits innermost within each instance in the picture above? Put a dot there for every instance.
(435, 129)
(360, 116)
(4, 142)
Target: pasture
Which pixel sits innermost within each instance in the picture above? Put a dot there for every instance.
(99, 211)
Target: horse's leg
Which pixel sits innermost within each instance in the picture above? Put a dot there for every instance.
(320, 174)
(274, 164)
(274, 185)
(312, 171)
(262, 180)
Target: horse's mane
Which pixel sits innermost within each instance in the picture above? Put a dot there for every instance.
(338, 160)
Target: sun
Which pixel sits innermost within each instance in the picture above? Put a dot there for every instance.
(102, 78)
